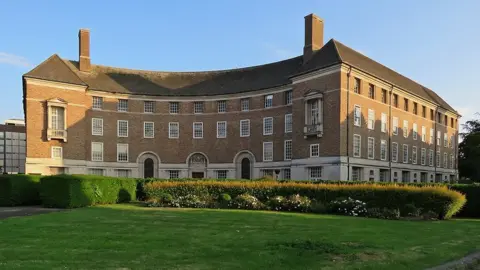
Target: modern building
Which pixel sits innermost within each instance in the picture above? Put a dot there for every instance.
(330, 113)
(12, 146)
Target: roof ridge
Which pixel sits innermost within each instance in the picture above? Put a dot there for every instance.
(336, 48)
(69, 68)
(44, 61)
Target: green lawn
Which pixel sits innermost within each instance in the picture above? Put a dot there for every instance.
(131, 237)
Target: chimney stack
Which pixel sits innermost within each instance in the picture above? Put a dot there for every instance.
(313, 36)
(84, 50)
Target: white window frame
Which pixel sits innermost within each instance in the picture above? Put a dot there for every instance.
(438, 159)
(174, 107)
(371, 119)
(312, 150)
(264, 149)
(423, 156)
(219, 123)
(265, 131)
(247, 134)
(91, 150)
(222, 106)
(414, 155)
(432, 135)
(94, 133)
(173, 174)
(129, 173)
(445, 160)
(384, 120)
(405, 153)
(287, 152)
(288, 97)
(53, 152)
(445, 140)
(170, 128)
(122, 105)
(359, 147)
(145, 102)
(430, 158)
(452, 161)
(245, 104)
(268, 101)
(415, 131)
(357, 115)
(198, 107)
(199, 124)
(439, 137)
(371, 148)
(288, 123)
(118, 152)
(395, 125)
(405, 128)
(315, 173)
(452, 142)
(383, 150)
(394, 152)
(145, 130)
(424, 134)
(118, 129)
(97, 103)
(218, 174)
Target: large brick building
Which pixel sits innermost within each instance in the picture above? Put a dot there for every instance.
(331, 113)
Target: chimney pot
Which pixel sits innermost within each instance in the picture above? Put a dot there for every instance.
(84, 50)
(313, 35)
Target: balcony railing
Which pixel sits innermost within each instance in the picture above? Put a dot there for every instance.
(313, 130)
(57, 134)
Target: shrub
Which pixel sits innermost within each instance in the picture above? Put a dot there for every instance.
(348, 207)
(71, 191)
(276, 203)
(19, 189)
(297, 203)
(224, 197)
(190, 201)
(410, 210)
(439, 199)
(383, 213)
(246, 201)
(318, 207)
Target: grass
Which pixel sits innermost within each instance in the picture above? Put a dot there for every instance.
(131, 237)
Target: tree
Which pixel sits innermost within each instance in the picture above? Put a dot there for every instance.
(469, 151)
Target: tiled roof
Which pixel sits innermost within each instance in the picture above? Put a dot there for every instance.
(128, 81)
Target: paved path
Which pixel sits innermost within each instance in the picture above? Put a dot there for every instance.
(20, 211)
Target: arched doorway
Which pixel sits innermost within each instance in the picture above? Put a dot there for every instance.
(197, 165)
(148, 168)
(245, 170)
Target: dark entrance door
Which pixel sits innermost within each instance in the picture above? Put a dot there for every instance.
(197, 174)
(148, 168)
(245, 168)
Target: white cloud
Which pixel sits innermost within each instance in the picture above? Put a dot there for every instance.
(14, 60)
(277, 52)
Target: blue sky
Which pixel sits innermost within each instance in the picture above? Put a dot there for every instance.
(435, 43)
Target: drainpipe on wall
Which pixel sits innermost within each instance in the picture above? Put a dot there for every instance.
(435, 119)
(348, 122)
(390, 133)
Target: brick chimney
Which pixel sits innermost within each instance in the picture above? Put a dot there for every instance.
(84, 50)
(313, 36)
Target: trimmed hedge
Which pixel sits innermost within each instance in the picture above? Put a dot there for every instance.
(71, 191)
(439, 199)
(19, 189)
(472, 192)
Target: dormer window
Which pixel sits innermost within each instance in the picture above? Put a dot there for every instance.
(313, 114)
(57, 121)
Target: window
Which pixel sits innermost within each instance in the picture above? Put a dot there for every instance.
(57, 118)
(148, 107)
(122, 105)
(95, 171)
(394, 152)
(371, 176)
(222, 106)
(221, 174)
(244, 128)
(383, 150)
(415, 105)
(288, 97)
(445, 140)
(197, 130)
(173, 130)
(173, 174)
(383, 175)
(221, 129)
(174, 107)
(268, 151)
(395, 100)
(423, 154)
(438, 159)
(431, 114)
(357, 173)
(439, 135)
(414, 155)
(445, 160)
(424, 112)
(384, 122)
(405, 153)
(268, 101)
(287, 174)
(245, 104)
(371, 119)
(315, 173)
(288, 123)
(430, 157)
(57, 152)
(314, 150)
(384, 96)
(198, 107)
(122, 152)
(371, 148)
(97, 126)
(405, 176)
(148, 130)
(288, 149)
(97, 151)
(123, 173)
(451, 122)
(356, 86)
(97, 103)
(268, 126)
(452, 141)
(415, 132)
(395, 125)
(452, 161)
(122, 128)
(424, 134)
(405, 128)
(405, 104)
(445, 120)
(356, 145)
(357, 116)
(432, 133)
(371, 91)
(313, 117)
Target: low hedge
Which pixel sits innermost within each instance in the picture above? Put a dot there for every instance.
(472, 192)
(439, 199)
(19, 189)
(71, 191)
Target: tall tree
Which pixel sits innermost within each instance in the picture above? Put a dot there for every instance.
(469, 151)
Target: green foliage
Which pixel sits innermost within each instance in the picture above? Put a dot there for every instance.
(410, 210)
(439, 199)
(472, 192)
(297, 203)
(224, 197)
(383, 213)
(19, 189)
(71, 191)
(276, 203)
(246, 201)
(348, 207)
(469, 152)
